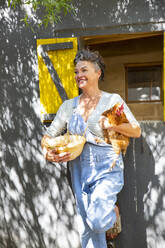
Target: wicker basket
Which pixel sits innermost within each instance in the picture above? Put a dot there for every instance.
(68, 143)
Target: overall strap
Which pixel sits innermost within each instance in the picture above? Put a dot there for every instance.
(75, 102)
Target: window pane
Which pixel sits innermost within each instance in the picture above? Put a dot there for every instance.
(139, 94)
(144, 83)
(155, 92)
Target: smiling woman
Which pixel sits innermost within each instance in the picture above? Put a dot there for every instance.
(95, 187)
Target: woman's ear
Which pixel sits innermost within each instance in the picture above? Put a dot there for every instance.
(99, 74)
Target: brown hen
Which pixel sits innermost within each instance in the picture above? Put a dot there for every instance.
(120, 142)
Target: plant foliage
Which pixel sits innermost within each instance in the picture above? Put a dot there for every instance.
(52, 9)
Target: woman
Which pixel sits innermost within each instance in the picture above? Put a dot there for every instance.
(95, 187)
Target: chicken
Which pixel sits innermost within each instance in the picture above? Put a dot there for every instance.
(120, 142)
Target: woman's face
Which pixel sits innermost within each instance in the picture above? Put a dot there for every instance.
(86, 74)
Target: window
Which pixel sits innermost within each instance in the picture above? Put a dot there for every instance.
(144, 83)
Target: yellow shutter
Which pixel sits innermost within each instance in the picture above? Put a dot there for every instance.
(56, 73)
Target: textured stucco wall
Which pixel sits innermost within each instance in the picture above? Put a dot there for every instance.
(114, 16)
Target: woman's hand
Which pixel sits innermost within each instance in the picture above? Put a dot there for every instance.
(53, 156)
(104, 123)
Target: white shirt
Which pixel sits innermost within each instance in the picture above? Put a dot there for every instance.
(107, 101)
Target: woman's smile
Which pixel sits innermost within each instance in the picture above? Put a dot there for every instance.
(81, 81)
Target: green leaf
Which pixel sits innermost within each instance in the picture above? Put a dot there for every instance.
(9, 2)
(52, 8)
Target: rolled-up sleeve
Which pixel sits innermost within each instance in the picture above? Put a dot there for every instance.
(128, 112)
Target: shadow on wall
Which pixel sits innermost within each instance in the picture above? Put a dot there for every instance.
(141, 200)
(128, 14)
(36, 203)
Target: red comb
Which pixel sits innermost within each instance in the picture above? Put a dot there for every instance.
(120, 110)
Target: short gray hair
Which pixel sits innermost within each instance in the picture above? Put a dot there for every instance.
(93, 57)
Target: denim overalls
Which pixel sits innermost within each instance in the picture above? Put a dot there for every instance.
(94, 185)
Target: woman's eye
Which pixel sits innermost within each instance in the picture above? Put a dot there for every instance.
(76, 72)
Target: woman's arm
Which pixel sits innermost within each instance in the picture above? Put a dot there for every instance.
(128, 129)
